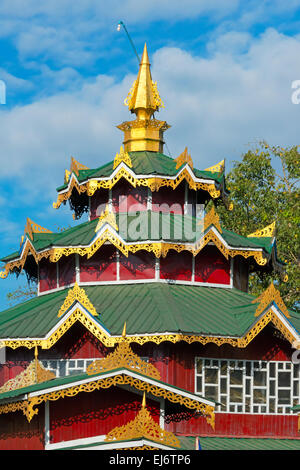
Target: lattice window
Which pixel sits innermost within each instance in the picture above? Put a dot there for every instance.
(249, 386)
(63, 367)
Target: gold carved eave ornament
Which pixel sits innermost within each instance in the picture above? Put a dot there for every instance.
(107, 217)
(123, 356)
(269, 296)
(143, 426)
(218, 168)
(75, 167)
(152, 182)
(27, 249)
(268, 231)
(184, 158)
(103, 335)
(122, 156)
(29, 406)
(35, 373)
(77, 294)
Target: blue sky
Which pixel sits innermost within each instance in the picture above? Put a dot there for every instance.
(224, 70)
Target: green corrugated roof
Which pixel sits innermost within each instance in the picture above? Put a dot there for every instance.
(239, 443)
(152, 226)
(165, 307)
(145, 163)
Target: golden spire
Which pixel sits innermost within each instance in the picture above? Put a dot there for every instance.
(145, 132)
(143, 98)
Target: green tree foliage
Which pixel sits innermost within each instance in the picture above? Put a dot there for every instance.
(264, 188)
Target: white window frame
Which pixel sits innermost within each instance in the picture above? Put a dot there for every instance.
(253, 366)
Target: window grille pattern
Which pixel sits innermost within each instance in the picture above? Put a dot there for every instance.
(249, 386)
(63, 367)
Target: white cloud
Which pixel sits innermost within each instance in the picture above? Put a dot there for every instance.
(72, 33)
(216, 107)
(223, 103)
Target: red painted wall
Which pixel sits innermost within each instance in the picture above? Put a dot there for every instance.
(126, 198)
(137, 266)
(211, 266)
(240, 425)
(169, 200)
(47, 275)
(100, 267)
(95, 413)
(66, 271)
(177, 266)
(17, 434)
(77, 343)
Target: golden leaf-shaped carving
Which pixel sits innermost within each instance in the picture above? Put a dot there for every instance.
(123, 356)
(77, 294)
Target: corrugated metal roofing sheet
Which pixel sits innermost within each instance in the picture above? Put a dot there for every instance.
(154, 226)
(145, 163)
(238, 443)
(146, 308)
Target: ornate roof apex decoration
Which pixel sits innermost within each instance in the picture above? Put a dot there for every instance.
(107, 217)
(143, 426)
(143, 98)
(31, 227)
(271, 294)
(76, 166)
(122, 157)
(33, 374)
(77, 294)
(145, 133)
(183, 158)
(268, 231)
(123, 356)
(218, 168)
(211, 218)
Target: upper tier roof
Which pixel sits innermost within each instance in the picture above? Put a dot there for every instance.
(145, 163)
(143, 168)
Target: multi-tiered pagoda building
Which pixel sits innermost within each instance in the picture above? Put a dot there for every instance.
(143, 334)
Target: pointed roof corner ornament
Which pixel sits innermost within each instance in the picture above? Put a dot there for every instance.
(211, 218)
(107, 217)
(218, 168)
(143, 426)
(183, 158)
(35, 373)
(270, 295)
(122, 157)
(124, 331)
(76, 167)
(77, 294)
(268, 231)
(143, 98)
(31, 228)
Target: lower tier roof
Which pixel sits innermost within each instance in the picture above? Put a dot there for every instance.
(147, 309)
